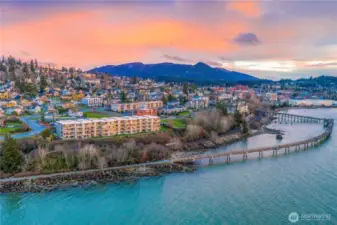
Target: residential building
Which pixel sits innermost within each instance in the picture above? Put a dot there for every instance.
(92, 101)
(87, 128)
(75, 113)
(146, 112)
(134, 106)
(3, 95)
(198, 102)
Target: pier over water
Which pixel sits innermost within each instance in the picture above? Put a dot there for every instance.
(253, 153)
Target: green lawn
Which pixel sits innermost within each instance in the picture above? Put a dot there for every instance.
(96, 115)
(185, 113)
(15, 124)
(11, 127)
(6, 130)
(27, 113)
(177, 123)
(163, 128)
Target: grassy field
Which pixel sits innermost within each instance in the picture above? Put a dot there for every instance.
(177, 123)
(185, 113)
(11, 127)
(96, 115)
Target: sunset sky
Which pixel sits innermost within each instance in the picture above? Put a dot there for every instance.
(268, 39)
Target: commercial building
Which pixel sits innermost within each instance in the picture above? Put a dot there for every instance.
(92, 101)
(87, 128)
(134, 106)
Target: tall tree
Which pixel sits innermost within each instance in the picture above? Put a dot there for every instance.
(182, 99)
(185, 88)
(237, 117)
(123, 97)
(25, 68)
(170, 98)
(244, 127)
(43, 82)
(164, 99)
(222, 107)
(72, 70)
(32, 67)
(134, 80)
(194, 88)
(11, 159)
(36, 64)
(64, 69)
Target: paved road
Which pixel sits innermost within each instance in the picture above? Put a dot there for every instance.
(34, 125)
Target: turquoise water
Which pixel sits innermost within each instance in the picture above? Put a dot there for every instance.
(255, 192)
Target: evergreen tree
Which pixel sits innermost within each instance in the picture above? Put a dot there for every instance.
(11, 64)
(134, 80)
(164, 99)
(237, 117)
(244, 127)
(43, 119)
(194, 88)
(185, 88)
(182, 99)
(72, 70)
(123, 96)
(3, 67)
(43, 83)
(222, 107)
(32, 68)
(11, 159)
(25, 68)
(36, 64)
(170, 98)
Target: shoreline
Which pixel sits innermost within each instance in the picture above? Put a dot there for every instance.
(87, 178)
(49, 182)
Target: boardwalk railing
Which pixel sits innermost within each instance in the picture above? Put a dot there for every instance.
(286, 148)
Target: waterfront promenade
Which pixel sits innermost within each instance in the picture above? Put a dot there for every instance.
(281, 118)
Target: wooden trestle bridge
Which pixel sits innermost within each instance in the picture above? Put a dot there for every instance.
(282, 118)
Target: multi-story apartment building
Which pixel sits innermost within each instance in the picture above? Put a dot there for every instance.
(134, 106)
(198, 102)
(87, 128)
(92, 101)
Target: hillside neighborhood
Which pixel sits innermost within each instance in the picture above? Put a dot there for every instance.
(47, 108)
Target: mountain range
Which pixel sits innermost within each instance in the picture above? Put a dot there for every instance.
(198, 73)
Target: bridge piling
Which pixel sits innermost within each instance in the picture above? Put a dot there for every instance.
(245, 156)
(228, 160)
(210, 161)
(260, 154)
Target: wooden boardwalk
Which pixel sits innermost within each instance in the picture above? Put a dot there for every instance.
(285, 148)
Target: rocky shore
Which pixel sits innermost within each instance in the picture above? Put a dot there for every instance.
(87, 178)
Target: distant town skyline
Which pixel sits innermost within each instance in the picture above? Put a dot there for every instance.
(272, 40)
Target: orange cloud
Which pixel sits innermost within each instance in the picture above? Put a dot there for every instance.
(87, 38)
(248, 8)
